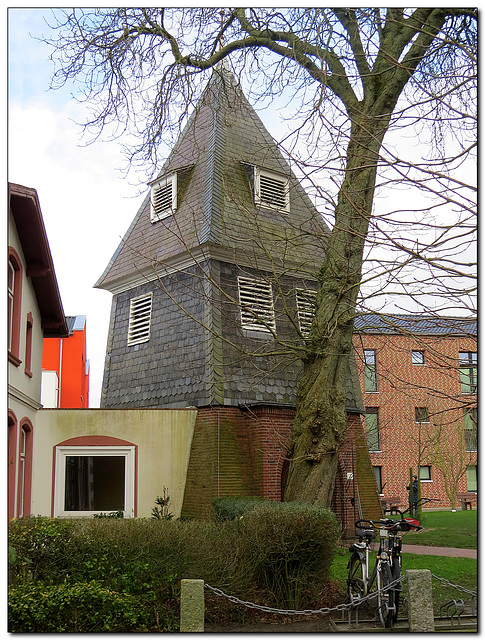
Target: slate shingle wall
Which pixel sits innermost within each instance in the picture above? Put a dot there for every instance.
(170, 369)
(259, 378)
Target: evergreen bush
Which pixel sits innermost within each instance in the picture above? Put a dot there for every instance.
(275, 553)
(231, 508)
(289, 548)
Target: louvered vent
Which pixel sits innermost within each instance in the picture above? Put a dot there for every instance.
(256, 301)
(305, 304)
(163, 198)
(272, 190)
(140, 315)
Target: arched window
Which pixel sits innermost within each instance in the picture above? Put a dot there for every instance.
(12, 461)
(28, 345)
(24, 484)
(14, 305)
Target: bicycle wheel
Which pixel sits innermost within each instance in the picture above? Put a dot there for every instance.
(396, 574)
(385, 599)
(356, 584)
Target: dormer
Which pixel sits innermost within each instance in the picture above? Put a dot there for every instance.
(163, 197)
(270, 189)
(166, 192)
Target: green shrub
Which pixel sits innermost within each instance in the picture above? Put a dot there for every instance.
(80, 608)
(41, 547)
(289, 548)
(275, 553)
(232, 508)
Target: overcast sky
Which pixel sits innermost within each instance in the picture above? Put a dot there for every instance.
(86, 203)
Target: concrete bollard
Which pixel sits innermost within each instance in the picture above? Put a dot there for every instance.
(420, 601)
(192, 606)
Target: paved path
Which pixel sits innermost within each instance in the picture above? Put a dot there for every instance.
(449, 552)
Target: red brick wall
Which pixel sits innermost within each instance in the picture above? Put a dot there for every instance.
(242, 452)
(402, 387)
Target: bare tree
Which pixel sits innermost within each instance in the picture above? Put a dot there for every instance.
(355, 76)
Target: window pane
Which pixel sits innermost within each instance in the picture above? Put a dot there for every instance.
(372, 429)
(378, 475)
(471, 478)
(95, 483)
(425, 473)
(470, 429)
(468, 371)
(418, 357)
(421, 414)
(370, 370)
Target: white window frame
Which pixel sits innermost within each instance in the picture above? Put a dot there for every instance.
(262, 304)
(271, 175)
(128, 452)
(139, 323)
(160, 184)
(305, 305)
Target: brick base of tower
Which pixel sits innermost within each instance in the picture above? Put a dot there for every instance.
(242, 452)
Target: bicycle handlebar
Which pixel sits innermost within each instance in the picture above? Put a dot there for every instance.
(389, 524)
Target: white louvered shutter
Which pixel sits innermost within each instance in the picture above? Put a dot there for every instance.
(163, 198)
(140, 316)
(305, 303)
(256, 299)
(272, 190)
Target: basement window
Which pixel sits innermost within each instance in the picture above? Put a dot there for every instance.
(140, 316)
(305, 304)
(163, 197)
(256, 303)
(92, 480)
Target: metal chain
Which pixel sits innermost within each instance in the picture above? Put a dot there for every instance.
(306, 612)
(455, 586)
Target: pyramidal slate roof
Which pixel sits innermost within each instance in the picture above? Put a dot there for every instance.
(213, 156)
(414, 324)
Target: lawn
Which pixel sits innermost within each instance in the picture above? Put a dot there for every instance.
(446, 529)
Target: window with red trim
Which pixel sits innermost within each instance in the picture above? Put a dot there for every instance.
(12, 458)
(24, 486)
(14, 305)
(28, 345)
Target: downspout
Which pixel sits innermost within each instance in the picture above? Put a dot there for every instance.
(60, 375)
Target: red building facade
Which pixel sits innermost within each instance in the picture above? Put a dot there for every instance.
(419, 382)
(65, 368)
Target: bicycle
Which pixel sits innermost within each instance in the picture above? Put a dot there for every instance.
(387, 568)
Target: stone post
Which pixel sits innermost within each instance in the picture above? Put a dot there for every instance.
(192, 606)
(420, 601)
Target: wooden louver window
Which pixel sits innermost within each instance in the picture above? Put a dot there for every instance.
(305, 303)
(163, 198)
(140, 315)
(272, 190)
(256, 301)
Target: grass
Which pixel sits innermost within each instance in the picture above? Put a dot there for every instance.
(446, 529)
(458, 571)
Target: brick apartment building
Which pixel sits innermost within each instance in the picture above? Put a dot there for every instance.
(419, 380)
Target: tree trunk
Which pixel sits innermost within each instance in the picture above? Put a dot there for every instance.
(320, 423)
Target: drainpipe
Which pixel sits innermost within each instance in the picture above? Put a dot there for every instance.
(60, 375)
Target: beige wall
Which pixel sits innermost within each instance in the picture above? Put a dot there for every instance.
(163, 438)
(21, 386)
